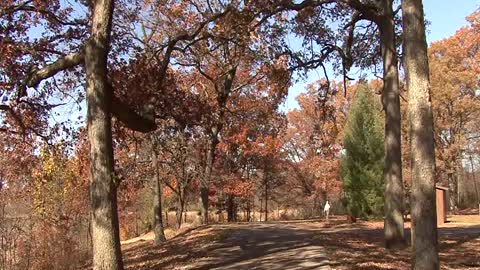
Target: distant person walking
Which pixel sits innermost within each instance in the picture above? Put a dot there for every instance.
(326, 209)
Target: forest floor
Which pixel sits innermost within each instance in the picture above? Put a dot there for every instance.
(307, 244)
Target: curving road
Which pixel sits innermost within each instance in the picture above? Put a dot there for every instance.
(266, 247)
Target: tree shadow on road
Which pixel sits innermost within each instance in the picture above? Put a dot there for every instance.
(238, 246)
(276, 246)
(266, 246)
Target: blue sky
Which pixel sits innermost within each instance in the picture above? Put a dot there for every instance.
(445, 16)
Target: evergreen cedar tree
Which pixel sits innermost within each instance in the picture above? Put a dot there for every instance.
(362, 161)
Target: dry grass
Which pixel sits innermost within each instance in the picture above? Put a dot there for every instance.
(348, 246)
(182, 249)
(362, 248)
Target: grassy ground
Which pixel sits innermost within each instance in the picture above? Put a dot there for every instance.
(181, 250)
(347, 246)
(362, 246)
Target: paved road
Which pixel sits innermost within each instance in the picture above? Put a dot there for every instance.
(267, 247)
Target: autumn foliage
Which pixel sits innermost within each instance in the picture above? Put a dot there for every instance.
(190, 127)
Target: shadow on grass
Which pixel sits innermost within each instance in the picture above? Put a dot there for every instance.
(179, 250)
(459, 248)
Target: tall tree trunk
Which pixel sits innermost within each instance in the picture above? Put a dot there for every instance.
(261, 209)
(185, 213)
(211, 144)
(103, 187)
(474, 179)
(394, 197)
(157, 200)
(223, 92)
(179, 213)
(266, 199)
(452, 191)
(424, 218)
(204, 202)
(230, 208)
(136, 224)
(166, 216)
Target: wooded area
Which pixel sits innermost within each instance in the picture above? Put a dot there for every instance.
(118, 118)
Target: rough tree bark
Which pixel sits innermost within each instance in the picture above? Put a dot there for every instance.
(103, 188)
(452, 182)
(424, 218)
(185, 214)
(157, 199)
(261, 209)
(231, 208)
(266, 196)
(166, 216)
(179, 212)
(210, 156)
(394, 197)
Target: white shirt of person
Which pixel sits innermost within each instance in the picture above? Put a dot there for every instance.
(327, 207)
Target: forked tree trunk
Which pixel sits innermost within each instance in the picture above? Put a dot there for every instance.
(424, 218)
(394, 197)
(223, 92)
(103, 191)
(157, 200)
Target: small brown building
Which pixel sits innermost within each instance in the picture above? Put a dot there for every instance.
(442, 204)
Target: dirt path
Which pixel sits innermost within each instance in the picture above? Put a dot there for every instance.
(266, 246)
